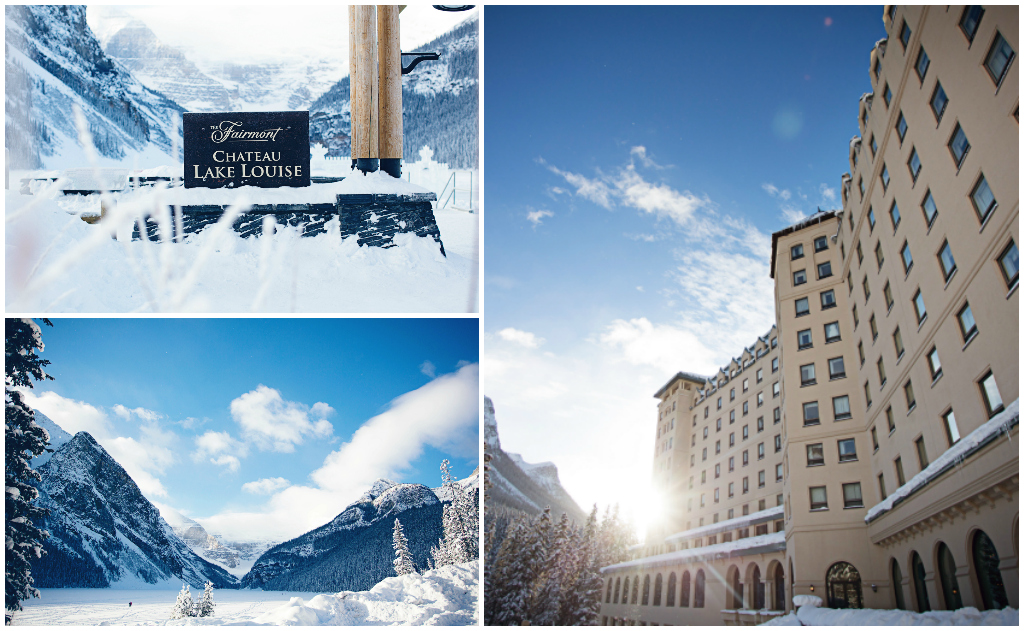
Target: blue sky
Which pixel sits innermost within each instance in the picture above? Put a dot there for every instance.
(637, 162)
(195, 409)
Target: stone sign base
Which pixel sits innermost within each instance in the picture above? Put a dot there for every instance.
(374, 219)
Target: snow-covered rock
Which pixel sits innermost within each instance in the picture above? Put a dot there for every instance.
(446, 596)
(237, 557)
(57, 438)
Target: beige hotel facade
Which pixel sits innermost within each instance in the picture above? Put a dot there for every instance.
(865, 449)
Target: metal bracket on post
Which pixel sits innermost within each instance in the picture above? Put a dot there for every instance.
(419, 57)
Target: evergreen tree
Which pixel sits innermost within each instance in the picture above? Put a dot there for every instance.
(583, 597)
(206, 605)
(23, 440)
(184, 607)
(403, 558)
(547, 598)
(461, 519)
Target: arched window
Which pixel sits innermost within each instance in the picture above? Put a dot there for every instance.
(618, 583)
(698, 590)
(735, 588)
(625, 591)
(608, 592)
(636, 588)
(842, 586)
(657, 591)
(647, 590)
(897, 585)
(684, 591)
(780, 589)
(758, 589)
(917, 570)
(947, 576)
(986, 568)
(670, 591)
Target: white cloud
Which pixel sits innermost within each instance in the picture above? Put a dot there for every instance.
(273, 424)
(265, 486)
(536, 217)
(774, 191)
(828, 194)
(593, 190)
(428, 369)
(523, 338)
(792, 215)
(141, 413)
(220, 449)
(641, 153)
(443, 414)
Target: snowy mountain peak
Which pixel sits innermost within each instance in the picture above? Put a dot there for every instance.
(381, 485)
(490, 425)
(57, 438)
(545, 473)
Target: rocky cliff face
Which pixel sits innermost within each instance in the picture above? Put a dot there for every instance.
(104, 532)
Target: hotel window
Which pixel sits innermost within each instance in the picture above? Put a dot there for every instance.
(983, 200)
(732, 416)
(693, 440)
(836, 368)
(775, 363)
(885, 178)
(887, 292)
(824, 269)
(860, 254)
(704, 455)
(760, 375)
(732, 489)
(760, 451)
(949, 424)
(929, 208)
(746, 384)
(887, 95)
(867, 393)
(732, 459)
(746, 458)
(914, 164)
(820, 244)
(894, 214)
(804, 339)
(880, 364)
(874, 150)
(760, 479)
(852, 497)
(946, 261)
(706, 410)
(908, 258)
(900, 478)
(760, 399)
(881, 485)
(718, 425)
(775, 342)
(799, 277)
(866, 286)
(778, 443)
(746, 407)
(959, 146)
(732, 393)
(999, 58)
(919, 308)
(904, 34)
(706, 430)
(908, 392)
(718, 447)
(703, 476)
(990, 394)
(803, 307)
(890, 419)
(760, 424)
(841, 407)
(901, 127)
(719, 403)
(776, 416)
(819, 499)
(860, 351)
(969, 21)
(897, 340)
(939, 101)
(874, 439)
(807, 375)
(746, 432)
(879, 255)
(922, 453)
(702, 500)
(746, 485)
(692, 457)
(732, 438)
(968, 328)
(871, 218)
(778, 473)
(874, 328)
(921, 66)
(775, 389)
(811, 413)
(1009, 264)
(718, 471)
(856, 318)
(796, 252)
(847, 450)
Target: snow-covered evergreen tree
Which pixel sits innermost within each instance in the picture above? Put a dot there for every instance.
(23, 440)
(583, 595)
(206, 605)
(403, 558)
(545, 603)
(184, 607)
(461, 519)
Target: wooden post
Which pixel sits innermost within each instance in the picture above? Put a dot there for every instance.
(389, 59)
(352, 80)
(363, 81)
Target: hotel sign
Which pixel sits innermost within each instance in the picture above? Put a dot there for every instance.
(267, 149)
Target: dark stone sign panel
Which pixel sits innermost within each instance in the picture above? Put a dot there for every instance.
(267, 149)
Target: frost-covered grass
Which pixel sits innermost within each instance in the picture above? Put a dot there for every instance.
(447, 596)
(968, 616)
(55, 262)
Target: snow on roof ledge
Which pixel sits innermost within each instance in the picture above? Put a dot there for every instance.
(750, 545)
(999, 424)
(760, 517)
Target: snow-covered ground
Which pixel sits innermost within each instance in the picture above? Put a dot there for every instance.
(55, 262)
(446, 596)
(968, 616)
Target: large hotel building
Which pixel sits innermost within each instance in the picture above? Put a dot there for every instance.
(865, 449)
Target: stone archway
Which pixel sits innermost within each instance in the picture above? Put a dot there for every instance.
(843, 587)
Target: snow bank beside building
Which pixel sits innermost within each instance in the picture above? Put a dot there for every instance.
(446, 596)
(968, 616)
